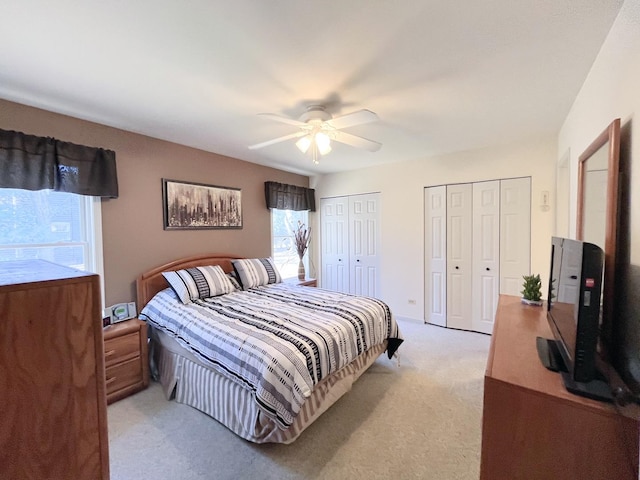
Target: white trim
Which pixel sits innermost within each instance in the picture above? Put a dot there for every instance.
(94, 235)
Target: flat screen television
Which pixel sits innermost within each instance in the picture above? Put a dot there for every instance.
(574, 315)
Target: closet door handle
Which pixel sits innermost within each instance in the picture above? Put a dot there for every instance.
(357, 260)
(488, 269)
(457, 267)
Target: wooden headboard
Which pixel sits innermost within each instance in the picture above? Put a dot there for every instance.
(151, 282)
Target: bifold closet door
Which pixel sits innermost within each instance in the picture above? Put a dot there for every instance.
(350, 235)
(364, 243)
(515, 234)
(486, 255)
(335, 243)
(483, 250)
(459, 256)
(435, 235)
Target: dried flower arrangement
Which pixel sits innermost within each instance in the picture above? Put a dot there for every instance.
(302, 236)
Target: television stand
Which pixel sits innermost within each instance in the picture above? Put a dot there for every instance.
(532, 427)
(549, 354)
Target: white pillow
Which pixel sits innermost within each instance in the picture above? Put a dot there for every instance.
(199, 282)
(254, 272)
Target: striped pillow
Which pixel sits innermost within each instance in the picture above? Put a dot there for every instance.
(234, 281)
(254, 272)
(199, 282)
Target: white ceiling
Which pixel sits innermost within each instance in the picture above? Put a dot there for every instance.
(442, 76)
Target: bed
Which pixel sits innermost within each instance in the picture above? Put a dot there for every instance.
(265, 361)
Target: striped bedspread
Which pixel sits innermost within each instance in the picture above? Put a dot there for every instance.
(278, 340)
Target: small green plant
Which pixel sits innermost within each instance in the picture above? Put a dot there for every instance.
(532, 288)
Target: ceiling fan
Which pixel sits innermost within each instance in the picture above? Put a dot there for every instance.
(317, 128)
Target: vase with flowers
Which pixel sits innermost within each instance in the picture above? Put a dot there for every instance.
(301, 236)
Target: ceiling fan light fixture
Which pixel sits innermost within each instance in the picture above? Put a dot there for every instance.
(323, 142)
(304, 143)
(317, 128)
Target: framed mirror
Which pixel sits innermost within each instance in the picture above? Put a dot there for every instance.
(597, 222)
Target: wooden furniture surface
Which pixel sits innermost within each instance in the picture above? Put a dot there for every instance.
(532, 428)
(126, 358)
(307, 282)
(53, 412)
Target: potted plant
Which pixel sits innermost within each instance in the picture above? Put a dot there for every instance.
(301, 236)
(532, 290)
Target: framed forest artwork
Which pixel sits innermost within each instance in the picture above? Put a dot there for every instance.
(193, 206)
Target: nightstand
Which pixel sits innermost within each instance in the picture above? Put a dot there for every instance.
(126, 358)
(307, 282)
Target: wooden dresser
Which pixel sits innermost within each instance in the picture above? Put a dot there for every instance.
(126, 358)
(532, 428)
(53, 409)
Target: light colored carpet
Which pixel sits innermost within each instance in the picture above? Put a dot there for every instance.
(419, 420)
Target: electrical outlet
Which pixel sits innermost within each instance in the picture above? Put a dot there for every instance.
(412, 302)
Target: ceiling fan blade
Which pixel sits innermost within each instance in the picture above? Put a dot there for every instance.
(281, 119)
(277, 140)
(352, 119)
(356, 141)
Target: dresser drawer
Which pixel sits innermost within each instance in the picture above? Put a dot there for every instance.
(122, 348)
(124, 375)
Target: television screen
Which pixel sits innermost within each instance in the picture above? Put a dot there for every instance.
(564, 293)
(573, 304)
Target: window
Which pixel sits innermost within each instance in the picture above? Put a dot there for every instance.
(283, 249)
(60, 227)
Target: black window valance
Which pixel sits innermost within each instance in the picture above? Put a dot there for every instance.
(289, 197)
(37, 163)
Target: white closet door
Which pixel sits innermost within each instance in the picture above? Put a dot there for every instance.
(364, 241)
(515, 234)
(486, 254)
(459, 256)
(334, 223)
(435, 236)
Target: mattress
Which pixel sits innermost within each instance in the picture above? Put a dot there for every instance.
(276, 342)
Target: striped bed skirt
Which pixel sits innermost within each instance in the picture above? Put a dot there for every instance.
(187, 379)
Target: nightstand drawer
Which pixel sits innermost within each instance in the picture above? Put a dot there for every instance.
(122, 348)
(124, 375)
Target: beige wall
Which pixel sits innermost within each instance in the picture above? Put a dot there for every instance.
(612, 90)
(402, 212)
(134, 239)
